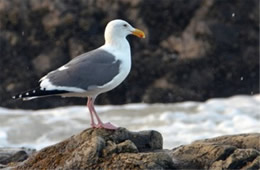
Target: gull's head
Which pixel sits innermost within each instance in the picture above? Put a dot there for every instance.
(119, 29)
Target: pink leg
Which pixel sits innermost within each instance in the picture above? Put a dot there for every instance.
(91, 113)
(100, 123)
(91, 105)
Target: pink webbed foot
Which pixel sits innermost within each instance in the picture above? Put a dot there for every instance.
(93, 125)
(106, 126)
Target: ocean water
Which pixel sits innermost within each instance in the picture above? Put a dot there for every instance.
(179, 123)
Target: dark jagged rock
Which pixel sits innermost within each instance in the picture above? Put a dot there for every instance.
(122, 149)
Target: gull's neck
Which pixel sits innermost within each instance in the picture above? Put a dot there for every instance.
(119, 43)
(119, 47)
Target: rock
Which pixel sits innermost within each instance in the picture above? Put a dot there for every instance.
(103, 149)
(242, 141)
(188, 45)
(122, 149)
(239, 159)
(76, 48)
(14, 155)
(44, 62)
(226, 152)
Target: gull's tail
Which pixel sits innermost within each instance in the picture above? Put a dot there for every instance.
(37, 93)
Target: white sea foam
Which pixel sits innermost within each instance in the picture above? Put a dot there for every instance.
(179, 123)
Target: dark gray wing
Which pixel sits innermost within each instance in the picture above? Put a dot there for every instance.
(94, 68)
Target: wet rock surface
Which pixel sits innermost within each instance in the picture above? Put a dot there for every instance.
(14, 155)
(194, 50)
(122, 149)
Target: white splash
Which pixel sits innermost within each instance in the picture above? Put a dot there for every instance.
(179, 123)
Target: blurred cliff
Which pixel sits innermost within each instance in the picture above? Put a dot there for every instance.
(194, 50)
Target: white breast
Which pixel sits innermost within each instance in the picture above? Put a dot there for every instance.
(123, 54)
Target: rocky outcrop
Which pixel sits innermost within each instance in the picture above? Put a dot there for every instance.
(99, 148)
(194, 50)
(122, 149)
(226, 152)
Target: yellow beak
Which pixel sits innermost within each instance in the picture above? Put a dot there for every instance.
(138, 33)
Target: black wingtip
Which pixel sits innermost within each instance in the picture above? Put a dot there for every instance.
(18, 96)
(37, 92)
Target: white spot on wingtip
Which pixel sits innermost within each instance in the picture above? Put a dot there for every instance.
(27, 94)
(13, 97)
(62, 68)
(20, 96)
(33, 91)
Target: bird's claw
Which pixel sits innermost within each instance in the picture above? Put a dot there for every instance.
(105, 126)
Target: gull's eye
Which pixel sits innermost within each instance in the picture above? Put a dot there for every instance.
(125, 25)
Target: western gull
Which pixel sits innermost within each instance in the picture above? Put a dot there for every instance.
(91, 73)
